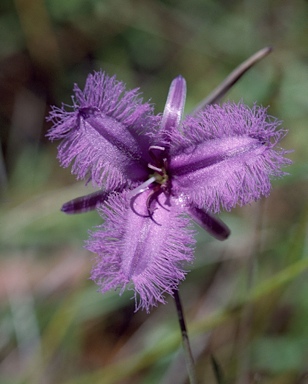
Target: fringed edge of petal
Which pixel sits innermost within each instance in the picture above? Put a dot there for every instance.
(248, 184)
(106, 95)
(89, 162)
(166, 267)
(225, 120)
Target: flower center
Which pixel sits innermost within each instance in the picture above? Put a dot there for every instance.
(159, 164)
(159, 177)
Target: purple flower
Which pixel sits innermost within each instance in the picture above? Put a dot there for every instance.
(155, 173)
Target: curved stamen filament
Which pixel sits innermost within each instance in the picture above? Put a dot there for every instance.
(142, 187)
(152, 153)
(155, 168)
(158, 147)
(152, 196)
(132, 205)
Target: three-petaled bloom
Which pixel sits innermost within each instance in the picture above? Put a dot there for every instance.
(158, 171)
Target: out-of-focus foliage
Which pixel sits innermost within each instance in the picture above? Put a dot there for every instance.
(245, 299)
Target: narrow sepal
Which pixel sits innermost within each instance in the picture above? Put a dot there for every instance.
(85, 203)
(174, 108)
(141, 250)
(213, 225)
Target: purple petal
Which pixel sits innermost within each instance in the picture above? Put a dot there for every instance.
(102, 133)
(135, 249)
(174, 108)
(85, 203)
(227, 156)
(213, 225)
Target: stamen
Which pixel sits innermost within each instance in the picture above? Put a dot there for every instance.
(165, 163)
(141, 188)
(152, 149)
(155, 168)
(156, 147)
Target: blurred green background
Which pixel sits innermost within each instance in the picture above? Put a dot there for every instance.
(245, 299)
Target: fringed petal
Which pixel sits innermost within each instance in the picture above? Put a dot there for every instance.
(226, 156)
(146, 249)
(102, 134)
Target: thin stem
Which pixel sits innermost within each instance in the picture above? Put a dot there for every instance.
(234, 76)
(185, 340)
